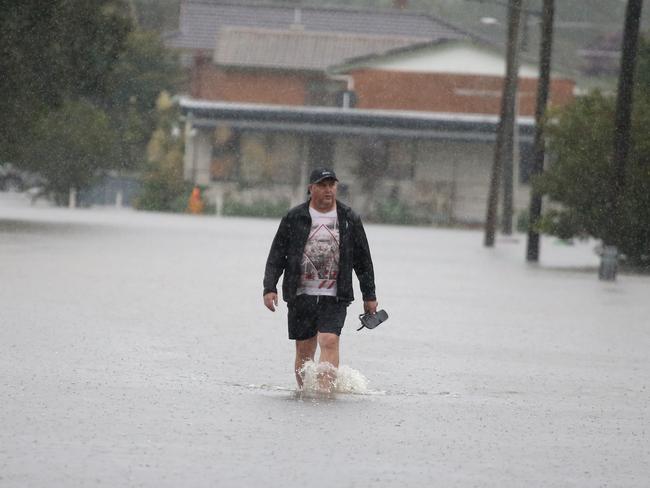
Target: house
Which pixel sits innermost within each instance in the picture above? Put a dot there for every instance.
(201, 22)
(403, 106)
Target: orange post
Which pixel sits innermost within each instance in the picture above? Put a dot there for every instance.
(195, 203)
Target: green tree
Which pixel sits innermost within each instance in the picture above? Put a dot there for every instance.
(69, 145)
(53, 51)
(144, 69)
(68, 56)
(159, 15)
(164, 188)
(581, 146)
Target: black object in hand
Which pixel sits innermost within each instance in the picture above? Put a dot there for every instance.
(372, 320)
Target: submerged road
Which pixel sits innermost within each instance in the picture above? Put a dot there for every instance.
(135, 351)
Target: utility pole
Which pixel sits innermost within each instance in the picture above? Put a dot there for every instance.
(545, 50)
(625, 93)
(507, 155)
(506, 118)
(510, 129)
(622, 125)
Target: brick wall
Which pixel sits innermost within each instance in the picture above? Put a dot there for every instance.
(375, 89)
(210, 82)
(438, 92)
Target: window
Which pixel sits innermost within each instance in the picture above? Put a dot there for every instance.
(323, 93)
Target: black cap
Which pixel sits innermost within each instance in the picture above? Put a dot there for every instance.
(320, 174)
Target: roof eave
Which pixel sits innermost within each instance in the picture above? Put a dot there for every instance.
(347, 121)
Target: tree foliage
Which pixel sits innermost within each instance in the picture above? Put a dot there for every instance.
(69, 145)
(78, 58)
(164, 188)
(160, 15)
(581, 140)
(53, 51)
(144, 69)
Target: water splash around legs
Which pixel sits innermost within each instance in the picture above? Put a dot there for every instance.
(325, 378)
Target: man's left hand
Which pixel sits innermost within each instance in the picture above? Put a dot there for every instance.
(370, 306)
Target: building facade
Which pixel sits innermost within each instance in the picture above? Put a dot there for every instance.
(406, 118)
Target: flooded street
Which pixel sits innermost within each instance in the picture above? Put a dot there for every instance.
(135, 351)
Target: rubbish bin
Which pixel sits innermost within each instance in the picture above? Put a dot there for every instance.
(608, 264)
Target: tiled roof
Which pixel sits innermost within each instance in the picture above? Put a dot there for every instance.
(201, 21)
(297, 49)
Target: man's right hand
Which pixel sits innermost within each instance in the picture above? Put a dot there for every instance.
(271, 301)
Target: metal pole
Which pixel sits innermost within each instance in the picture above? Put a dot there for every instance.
(624, 101)
(507, 112)
(543, 84)
(508, 154)
(623, 120)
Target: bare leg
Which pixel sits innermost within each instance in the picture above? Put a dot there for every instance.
(329, 353)
(305, 351)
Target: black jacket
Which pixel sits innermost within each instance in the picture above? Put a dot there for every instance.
(289, 244)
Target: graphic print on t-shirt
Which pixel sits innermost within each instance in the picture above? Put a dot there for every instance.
(320, 259)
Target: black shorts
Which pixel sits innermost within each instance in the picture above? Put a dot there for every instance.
(309, 314)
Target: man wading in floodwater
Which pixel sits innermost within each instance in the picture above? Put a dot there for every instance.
(317, 245)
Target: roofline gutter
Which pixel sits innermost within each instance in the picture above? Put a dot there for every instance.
(202, 113)
(308, 128)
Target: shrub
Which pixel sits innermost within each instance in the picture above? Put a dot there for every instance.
(259, 208)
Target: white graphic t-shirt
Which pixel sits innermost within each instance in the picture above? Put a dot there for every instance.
(320, 259)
